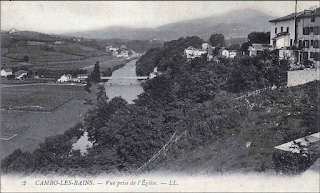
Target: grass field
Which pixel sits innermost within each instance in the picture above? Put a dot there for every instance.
(87, 63)
(38, 97)
(33, 127)
(105, 61)
(56, 56)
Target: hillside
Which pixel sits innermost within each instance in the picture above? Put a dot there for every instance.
(271, 121)
(194, 103)
(37, 51)
(42, 48)
(233, 24)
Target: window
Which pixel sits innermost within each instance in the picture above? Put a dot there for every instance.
(311, 29)
(306, 43)
(275, 30)
(316, 56)
(316, 44)
(311, 43)
(306, 31)
(300, 44)
(311, 54)
(281, 29)
(290, 42)
(305, 56)
(316, 30)
(313, 18)
(288, 29)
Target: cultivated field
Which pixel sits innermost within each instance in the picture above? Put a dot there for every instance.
(88, 63)
(48, 55)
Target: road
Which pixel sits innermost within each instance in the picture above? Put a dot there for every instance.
(50, 84)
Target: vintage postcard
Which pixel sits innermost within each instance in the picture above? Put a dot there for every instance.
(160, 96)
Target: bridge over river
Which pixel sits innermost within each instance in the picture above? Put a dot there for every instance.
(129, 78)
(124, 82)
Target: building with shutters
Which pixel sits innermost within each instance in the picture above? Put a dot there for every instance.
(308, 36)
(300, 33)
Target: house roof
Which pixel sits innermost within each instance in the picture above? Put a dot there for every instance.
(260, 46)
(307, 140)
(190, 48)
(309, 13)
(82, 75)
(19, 73)
(287, 17)
(305, 13)
(7, 70)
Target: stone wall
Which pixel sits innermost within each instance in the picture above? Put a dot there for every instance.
(299, 77)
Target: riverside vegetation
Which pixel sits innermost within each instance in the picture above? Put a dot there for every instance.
(195, 99)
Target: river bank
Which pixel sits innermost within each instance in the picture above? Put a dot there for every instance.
(128, 89)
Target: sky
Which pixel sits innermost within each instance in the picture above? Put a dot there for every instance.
(72, 16)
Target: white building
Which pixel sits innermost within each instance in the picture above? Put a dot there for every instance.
(154, 74)
(192, 52)
(82, 76)
(65, 78)
(13, 31)
(59, 42)
(113, 49)
(283, 31)
(303, 27)
(20, 74)
(6, 72)
(228, 53)
(256, 49)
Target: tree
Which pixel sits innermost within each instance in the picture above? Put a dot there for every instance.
(244, 47)
(95, 74)
(259, 37)
(234, 47)
(26, 58)
(88, 86)
(217, 40)
(101, 95)
(30, 73)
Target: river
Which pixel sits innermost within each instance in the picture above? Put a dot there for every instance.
(126, 88)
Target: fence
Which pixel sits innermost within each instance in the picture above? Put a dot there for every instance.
(256, 92)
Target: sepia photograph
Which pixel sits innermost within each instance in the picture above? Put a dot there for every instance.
(160, 96)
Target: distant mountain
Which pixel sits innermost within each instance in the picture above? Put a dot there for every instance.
(232, 24)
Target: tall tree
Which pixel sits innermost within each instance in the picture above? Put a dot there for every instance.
(217, 40)
(95, 75)
(259, 37)
(101, 95)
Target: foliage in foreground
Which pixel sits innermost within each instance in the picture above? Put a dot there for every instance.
(193, 98)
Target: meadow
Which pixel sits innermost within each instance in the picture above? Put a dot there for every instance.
(38, 97)
(63, 107)
(47, 55)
